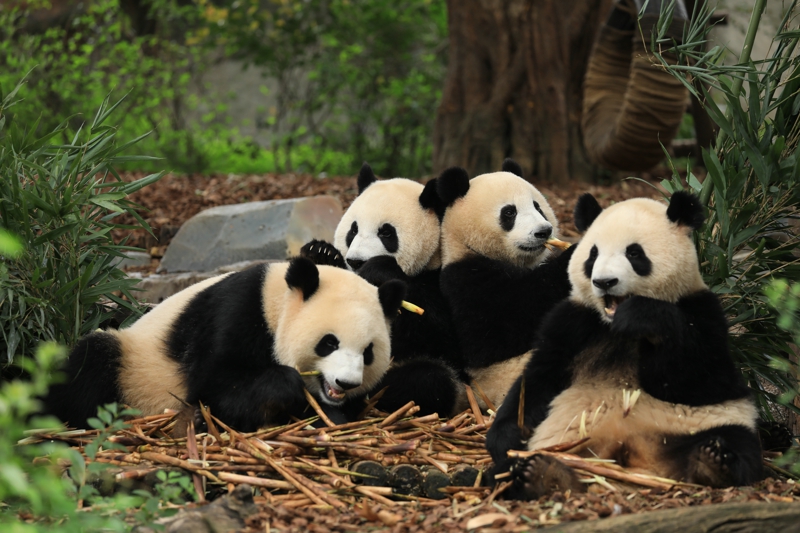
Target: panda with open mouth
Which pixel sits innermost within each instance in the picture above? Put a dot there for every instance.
(636, 359)
(239, 343)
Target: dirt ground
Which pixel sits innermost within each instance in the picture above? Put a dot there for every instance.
(175, 198)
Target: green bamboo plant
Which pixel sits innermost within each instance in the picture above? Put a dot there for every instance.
(61, 200)
(751, 189)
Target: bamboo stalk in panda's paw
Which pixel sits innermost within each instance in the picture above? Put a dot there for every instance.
(408, 306)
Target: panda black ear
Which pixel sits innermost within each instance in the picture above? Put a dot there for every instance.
(586, 210)
(365, 177)
(391, 294)
(429, 199)
(452, 185)
(685, 209)
(303, 274)
(509, 165)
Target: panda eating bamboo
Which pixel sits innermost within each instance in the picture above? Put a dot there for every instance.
(636, 359)
(238, 343)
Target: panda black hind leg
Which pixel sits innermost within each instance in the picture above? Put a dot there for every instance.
(91, 380)
(718, 457)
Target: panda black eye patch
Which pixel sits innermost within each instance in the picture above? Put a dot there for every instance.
(508, 215)
(388, 236)
(352, 233)
(369, 356)
(639, 261)
(327, 345)
(588, 265)
(538, 208)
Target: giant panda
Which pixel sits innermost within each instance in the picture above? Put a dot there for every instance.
(391, 231)
(636, 358)
(498, 276)
(238, 343)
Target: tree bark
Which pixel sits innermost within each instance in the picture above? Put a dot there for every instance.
(514, 86)
(719, 518)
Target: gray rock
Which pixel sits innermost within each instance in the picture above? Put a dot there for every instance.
(228, 234)
(134, 259)
(156, 288)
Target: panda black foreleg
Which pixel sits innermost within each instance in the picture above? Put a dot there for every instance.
(91, 380)
(717, 457)
(380, 269)
(247, 402)
(432, 385)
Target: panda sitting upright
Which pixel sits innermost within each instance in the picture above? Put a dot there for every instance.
(238, 343)
(498, 276)
(391, 232)
(636, 359)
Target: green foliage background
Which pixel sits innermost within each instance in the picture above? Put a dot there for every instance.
(355, 80)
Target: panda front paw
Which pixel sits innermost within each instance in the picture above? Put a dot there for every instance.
(380, 269)
(640, 316)
(322, 253)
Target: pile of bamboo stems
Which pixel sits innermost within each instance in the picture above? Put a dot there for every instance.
(299, 465)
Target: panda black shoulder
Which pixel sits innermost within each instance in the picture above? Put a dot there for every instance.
(231, 305)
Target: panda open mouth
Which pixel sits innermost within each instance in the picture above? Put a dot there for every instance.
(611, 303)
(530, 248)
(332, 393)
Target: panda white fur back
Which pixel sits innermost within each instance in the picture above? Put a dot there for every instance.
(498, 276)
(391, 231)
(637, 358)
(237, 343)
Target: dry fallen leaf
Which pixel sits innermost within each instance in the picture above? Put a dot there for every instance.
(488, 519)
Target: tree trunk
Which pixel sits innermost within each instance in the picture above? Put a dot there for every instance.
(514, 86)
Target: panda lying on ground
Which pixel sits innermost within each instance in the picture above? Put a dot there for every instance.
(637, 359)
(498, 277)
(391, 232)
(237, 343)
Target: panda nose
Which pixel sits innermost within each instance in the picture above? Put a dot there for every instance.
(544, 233)
(355, 264)
(605, 283)
(346, 385)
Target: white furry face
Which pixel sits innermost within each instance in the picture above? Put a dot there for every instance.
(340, 331)
(632, 248)
(387, 219)
(501, 217)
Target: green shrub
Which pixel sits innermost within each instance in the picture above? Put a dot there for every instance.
(61, 200)
(752, 191)
(74, 66)
(360, 78)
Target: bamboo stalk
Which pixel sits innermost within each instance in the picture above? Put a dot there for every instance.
(473, 403)
(255, 481)
(299, 480)
(313, 402)
(397, 415)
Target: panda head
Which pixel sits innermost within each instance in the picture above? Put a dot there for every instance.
(499, 215)
(332, 321)
(636, 247)
(396, 217)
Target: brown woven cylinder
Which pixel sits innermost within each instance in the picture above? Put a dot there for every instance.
(630, 105)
